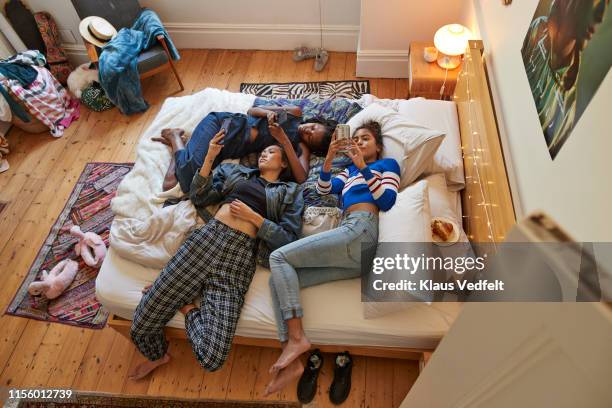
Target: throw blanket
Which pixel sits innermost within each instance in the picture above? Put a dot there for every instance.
(118, 63)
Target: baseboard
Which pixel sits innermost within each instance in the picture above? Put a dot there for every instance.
(77, 54)
(382, 63)
(262, 36)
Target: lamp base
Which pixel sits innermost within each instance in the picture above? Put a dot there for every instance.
(448, 61)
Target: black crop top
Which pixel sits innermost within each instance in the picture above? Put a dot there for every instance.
(252, 192)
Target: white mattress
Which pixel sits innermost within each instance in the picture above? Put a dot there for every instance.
(332, 311)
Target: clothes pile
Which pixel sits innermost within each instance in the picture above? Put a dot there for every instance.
(118, 63)
(23, 77)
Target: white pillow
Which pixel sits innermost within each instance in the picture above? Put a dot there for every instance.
(407, 221)
(412, 146)
(320, 219)
(439, 115)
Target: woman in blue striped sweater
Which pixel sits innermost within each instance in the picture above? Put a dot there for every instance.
(366, 187)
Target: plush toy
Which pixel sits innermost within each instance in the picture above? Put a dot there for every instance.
(81, 78)
(90, 246)
(54, 283)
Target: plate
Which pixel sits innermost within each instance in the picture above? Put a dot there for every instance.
(452, 239)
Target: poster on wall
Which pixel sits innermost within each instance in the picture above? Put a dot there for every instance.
(567, 53)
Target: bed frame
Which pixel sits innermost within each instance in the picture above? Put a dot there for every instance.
(487, 204)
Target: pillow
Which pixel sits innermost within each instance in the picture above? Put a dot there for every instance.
(440, 115)
(441, 202)
(407, 221)
(320, 219)
(412, 146)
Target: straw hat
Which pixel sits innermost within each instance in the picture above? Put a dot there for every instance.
(96, 30)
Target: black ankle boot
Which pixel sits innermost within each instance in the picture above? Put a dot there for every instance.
(341, 385)
(307, 386)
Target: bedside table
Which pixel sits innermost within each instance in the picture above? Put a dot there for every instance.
(426, 78)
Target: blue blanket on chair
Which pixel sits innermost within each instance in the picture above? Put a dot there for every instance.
(118, 63)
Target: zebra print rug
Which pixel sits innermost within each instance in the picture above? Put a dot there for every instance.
(299, 90)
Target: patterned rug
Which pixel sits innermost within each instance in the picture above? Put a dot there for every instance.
(90, 400)
(88, 207)
(297, 90)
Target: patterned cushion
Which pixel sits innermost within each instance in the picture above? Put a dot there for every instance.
(339, 109)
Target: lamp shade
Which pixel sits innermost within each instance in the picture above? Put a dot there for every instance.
(452, 39)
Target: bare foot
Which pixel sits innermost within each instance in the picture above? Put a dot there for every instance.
(146, 288)
(285, 377)
(292, 350)
(143, 369)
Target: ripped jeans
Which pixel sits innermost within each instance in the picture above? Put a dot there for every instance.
(324, 257)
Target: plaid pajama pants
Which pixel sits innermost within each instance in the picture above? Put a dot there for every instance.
(216, 262)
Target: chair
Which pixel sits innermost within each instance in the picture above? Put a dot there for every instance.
(123, 13)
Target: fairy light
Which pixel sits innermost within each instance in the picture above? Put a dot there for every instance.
(467, 73)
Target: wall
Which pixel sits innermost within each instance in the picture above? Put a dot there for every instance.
(386, 31)
(234, 24)
(574, 188)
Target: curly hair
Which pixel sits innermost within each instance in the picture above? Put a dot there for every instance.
(374, 128)
(330, 127)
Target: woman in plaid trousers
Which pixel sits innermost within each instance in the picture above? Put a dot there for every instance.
(217, 261)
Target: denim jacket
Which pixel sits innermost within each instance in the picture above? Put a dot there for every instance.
(284, 202)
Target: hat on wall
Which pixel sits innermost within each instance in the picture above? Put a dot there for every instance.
(96, 30)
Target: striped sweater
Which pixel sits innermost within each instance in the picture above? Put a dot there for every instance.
(376, 183)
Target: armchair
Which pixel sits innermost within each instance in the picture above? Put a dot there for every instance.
(123, 13)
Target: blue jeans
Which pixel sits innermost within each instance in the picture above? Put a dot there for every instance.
(235, 143)
(329, 256)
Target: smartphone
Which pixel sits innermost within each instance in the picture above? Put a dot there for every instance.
(281, 116)
(225, 125)
(343, 132)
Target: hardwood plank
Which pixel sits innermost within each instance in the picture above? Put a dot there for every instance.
(117, 362)
(379, 390)
(208, 69)
(267, 357)
(238, 71)
(47, 354)
(12, 330)
(405, 374)
(139, 387)
(190, 376)
(256, 67)
(94, 359)
(351, 67)
(214, 384)
(401, 89)
(244, 373)
(358, 382)
(69, 358)
(386, 88)
(19, 365)
(337, 66)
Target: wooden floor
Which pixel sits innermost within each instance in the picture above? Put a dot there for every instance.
(42, 174)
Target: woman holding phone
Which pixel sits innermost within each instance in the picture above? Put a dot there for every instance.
(366, 187)
(217, 261)
(259, 128)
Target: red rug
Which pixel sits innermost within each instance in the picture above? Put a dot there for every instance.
(88, 207)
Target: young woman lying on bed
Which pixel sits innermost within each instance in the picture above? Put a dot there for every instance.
(249, 133)
(370, 184)
(217, 261)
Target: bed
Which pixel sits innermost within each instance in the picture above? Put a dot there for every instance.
(333, 313)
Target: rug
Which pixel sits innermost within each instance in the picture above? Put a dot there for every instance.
(90, 400)
(297, 90)
(88, 207)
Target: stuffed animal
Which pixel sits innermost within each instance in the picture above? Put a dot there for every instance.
(90, 246)
(81, 78)
(54, 283)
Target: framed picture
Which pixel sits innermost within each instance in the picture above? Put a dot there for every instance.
(567, 54)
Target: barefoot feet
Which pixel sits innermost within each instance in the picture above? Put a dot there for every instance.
(146, 288)
(169, 135)
(143, 369)
(293, 349)
(285, 377)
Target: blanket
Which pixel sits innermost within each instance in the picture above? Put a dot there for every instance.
(142, 230)
(118, 65)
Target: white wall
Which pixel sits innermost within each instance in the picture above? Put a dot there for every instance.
(234, 24)
(388, 27)
(575, 188)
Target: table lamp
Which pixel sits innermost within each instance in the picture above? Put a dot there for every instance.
(451, 41)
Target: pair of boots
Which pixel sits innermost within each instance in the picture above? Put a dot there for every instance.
(341, 385)
(319, 54)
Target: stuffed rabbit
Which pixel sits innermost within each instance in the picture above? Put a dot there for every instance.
(90, 246)
(54, 283)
